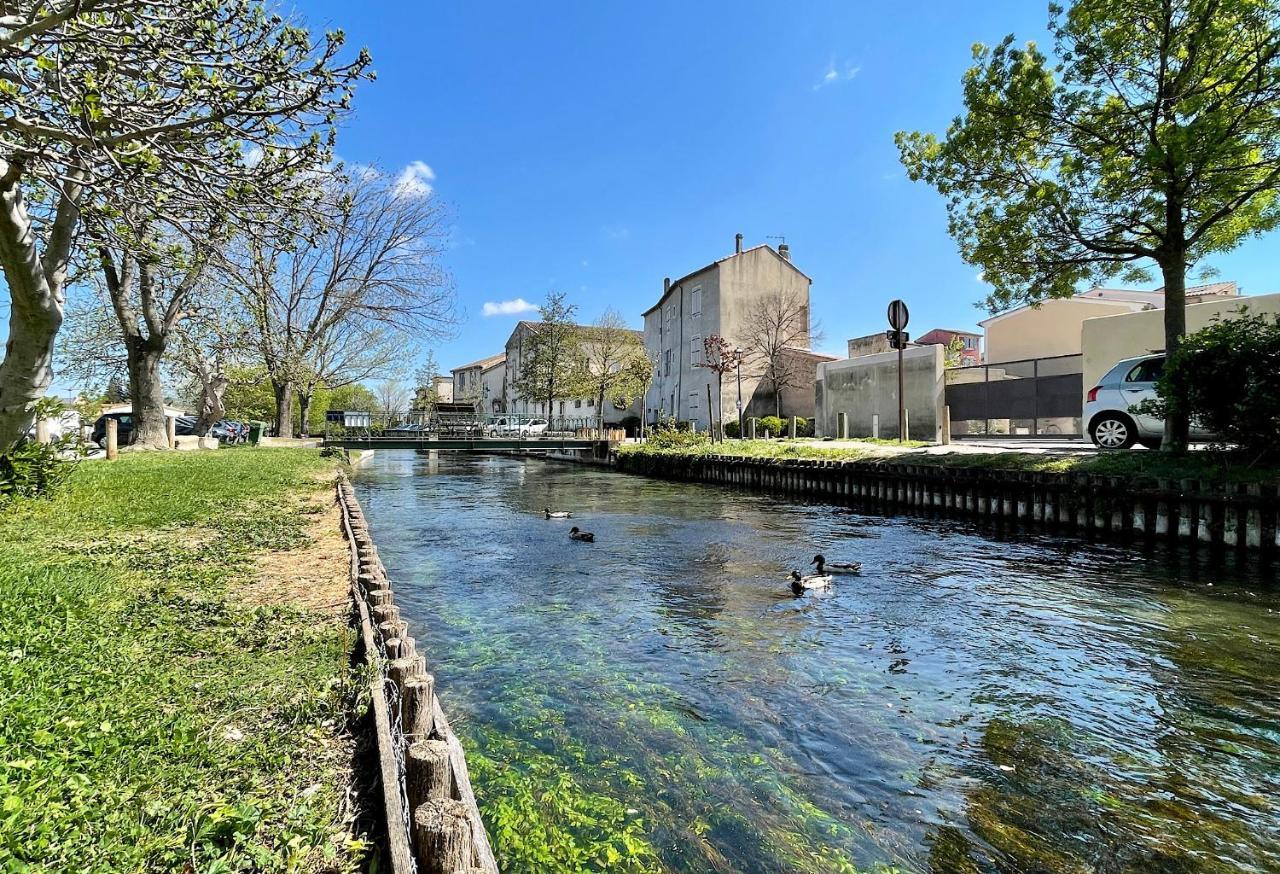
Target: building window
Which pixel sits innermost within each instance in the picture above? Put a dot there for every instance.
(693, 402)
(577, 403)
(695, 351)
(695, 307)
(667, 362)
(591, 402)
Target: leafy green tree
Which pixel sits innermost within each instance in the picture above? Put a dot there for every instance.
(95, 93)
(1152, 140)
(425, 393)
(611, 370)
(550, 354)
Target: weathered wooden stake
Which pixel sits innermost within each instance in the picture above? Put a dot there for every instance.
(427, 774)
(416, 710)
(442, 837)
(113, 444)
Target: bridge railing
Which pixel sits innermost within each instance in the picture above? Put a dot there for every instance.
(455, 421)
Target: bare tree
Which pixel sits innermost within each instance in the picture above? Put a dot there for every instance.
(393, 399)
(372, 266)
(209, 343)
(720, 357)
(97, 90)
(354, 351)
(609, 373)
(775, 325)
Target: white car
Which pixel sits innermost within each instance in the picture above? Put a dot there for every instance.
(533, 428)
(502, 427)
(1110, 419)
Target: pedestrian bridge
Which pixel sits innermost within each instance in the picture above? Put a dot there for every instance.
(468, 444)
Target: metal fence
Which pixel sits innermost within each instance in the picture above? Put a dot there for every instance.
(1035, 397)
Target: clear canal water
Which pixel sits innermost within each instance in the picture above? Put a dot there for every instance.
(659, 701)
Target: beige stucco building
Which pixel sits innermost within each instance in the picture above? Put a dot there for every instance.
(567, 411)
(717, 300)
(1053, 327)
(1109, 339)
(481, 382)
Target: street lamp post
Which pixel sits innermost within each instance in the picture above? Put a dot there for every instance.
(737, 360)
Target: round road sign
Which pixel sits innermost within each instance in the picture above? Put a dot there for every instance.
(898, 315)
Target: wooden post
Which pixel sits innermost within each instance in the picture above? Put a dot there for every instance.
(171, 431)
(946, 425)
(113, 445)
(42, 431)
(442, 837)
(791, 428)
(416, 710)
(427, 773)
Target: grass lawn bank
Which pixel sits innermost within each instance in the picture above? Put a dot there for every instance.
(175, 686)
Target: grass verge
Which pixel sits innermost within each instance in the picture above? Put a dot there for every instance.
(1218, 466)
(150, 717)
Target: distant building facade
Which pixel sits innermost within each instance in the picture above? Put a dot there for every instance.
(569, 411)
(1054, 326)
(872, 344)
(971, 351)
(443, 386)
(480, 383)
(716, 300)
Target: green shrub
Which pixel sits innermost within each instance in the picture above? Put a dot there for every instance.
(675, 438)
(774, 425)
(31, 470)
(732, 430)
(1227, 376)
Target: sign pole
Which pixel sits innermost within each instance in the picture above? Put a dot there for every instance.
(898, 317)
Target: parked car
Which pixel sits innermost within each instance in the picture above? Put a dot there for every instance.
(503, 427)
(1111, 421)
(533, 428)
(183, 426)
(229, 432)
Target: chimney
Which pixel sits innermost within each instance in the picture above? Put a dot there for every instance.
(666, 285)
(737, 244)
(785, 251)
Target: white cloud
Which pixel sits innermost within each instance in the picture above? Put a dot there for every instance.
(982, 276)
(415, 180)
(513, 307)
(834, 74)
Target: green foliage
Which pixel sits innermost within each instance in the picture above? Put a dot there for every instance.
(668, 435)
(775, 425)
(1227, 376)
(1152, 137)
(551, 354)
(149, 719)
(731, 429)
(32, 469)
(249, 396)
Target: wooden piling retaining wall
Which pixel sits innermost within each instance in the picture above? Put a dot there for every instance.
(1224, 516)
(433, 823)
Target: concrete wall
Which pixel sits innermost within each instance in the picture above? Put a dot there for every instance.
(1110, 339)
(868, 386)
(1053, 328)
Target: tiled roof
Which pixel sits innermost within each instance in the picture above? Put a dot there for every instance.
(485, 363)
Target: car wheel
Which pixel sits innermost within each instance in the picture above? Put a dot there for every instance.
(1152, 443)
(1112, 431)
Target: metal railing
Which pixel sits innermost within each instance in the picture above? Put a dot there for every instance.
(459, 421)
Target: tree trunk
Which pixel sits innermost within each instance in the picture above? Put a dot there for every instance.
(284, 407)
(600, 411)
(777, 398)
(1177, 424)
(146, 392)
(304, 410)
(36, 298)
(212, 409)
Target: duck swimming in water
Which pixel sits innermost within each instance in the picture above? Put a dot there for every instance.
(800, 585)
(836, 567)
(584, 536)
(559, 514)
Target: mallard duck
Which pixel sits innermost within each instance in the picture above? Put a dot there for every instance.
(836, 567)
(584, 536)
(800, 584)
(559, 514)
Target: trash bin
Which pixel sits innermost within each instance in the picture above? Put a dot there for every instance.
(255, 431)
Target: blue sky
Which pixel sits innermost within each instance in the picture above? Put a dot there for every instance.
(596, 147)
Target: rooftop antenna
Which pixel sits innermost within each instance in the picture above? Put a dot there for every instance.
(781, 239)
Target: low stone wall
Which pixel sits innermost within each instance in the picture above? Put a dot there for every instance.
(1195, 512)
(433, 823)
